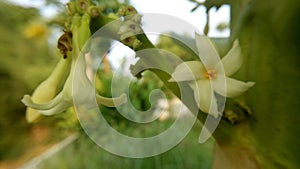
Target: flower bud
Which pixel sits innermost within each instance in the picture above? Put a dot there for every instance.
(130, 26)
(122, 10)
(82, 5)
(131, 10)
(94, 11)
(84, 33)
(137, 18)
(71, 7)
(132, 42)
(74, 29)
(136, 43)
(48, 89)
(113, 16)
(126, 10)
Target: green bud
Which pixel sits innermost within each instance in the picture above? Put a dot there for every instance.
(94, 11)
(84, 33)
(122, 10)
(82, 5)
(126, 10)
(48, 89)
(131, 10)
(132, 42)
(76, 19)
(130, 26)
(136, 18)
(71, 7)
(136, 43)
(113, 16)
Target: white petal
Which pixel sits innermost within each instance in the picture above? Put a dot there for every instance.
(27, 100)
(48, 89)
(233, 88)
(61, 107)
(233, 60)
(205, 98)
(207, 52)
(188, 71)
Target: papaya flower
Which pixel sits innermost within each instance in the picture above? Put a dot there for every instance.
(48, 89)
(64, 99)
(212, 75)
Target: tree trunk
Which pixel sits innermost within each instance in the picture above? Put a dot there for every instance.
(269, 35)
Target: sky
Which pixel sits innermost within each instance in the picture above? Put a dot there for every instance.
(177, 8)
(181, 9)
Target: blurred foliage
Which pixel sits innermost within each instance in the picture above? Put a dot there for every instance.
(139, 92)
(25, 61)
(86, 154)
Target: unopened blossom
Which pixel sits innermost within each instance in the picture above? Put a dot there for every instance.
(64, 99)
(48, 89)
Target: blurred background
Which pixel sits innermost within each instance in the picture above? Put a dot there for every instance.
(28, 34)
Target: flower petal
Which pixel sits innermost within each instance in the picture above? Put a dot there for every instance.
(233, 60)
(208, 54)
(205, 98)
(61, 107)
(188, 71)
(233, 88)
(27, 100)
(48, 89)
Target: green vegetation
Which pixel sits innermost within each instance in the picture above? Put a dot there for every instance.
(86, 154)
(25, 62)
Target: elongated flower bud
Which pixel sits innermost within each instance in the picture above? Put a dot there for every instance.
(48, 89)
(74, 29)
(84, 33)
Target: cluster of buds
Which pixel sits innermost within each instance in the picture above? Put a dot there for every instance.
(126, 10)
(131, 27)
(84, 6)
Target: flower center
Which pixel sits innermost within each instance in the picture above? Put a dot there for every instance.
(211, 74)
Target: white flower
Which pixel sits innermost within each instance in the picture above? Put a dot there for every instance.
(212, 75)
